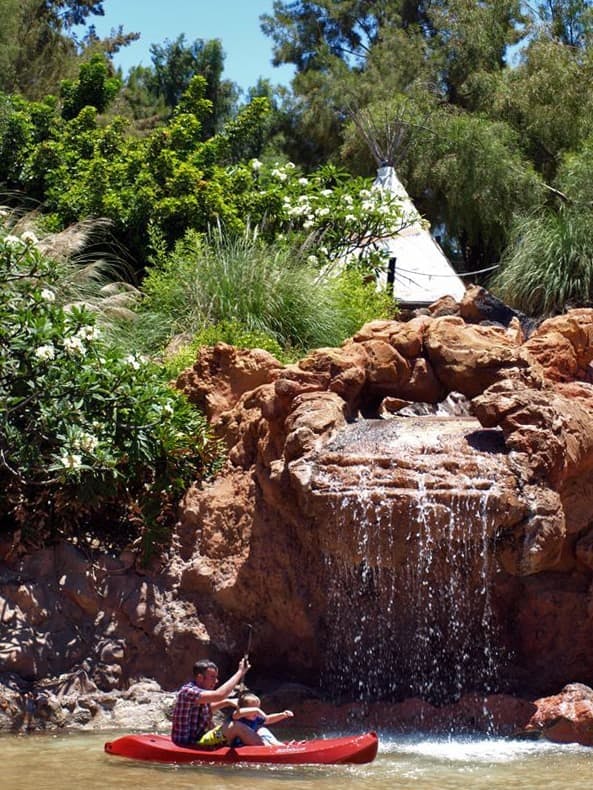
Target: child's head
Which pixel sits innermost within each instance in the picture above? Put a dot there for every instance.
(249, 700)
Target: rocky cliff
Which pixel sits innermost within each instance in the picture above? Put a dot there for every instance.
(408, 515)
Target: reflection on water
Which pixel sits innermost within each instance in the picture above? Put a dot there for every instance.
(60, 762)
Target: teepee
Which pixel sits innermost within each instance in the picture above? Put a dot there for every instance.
(417, 268)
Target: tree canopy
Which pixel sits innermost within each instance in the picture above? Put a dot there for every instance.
(478, 104)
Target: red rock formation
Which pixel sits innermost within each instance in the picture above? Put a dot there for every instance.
(328, 521)
(566, 717)
(296, 441)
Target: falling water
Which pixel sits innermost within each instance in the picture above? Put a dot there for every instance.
(453, 637)
(422, 625)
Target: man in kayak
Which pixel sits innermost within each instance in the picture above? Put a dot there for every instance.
(197, 701)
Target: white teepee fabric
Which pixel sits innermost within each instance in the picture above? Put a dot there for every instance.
(422, 273)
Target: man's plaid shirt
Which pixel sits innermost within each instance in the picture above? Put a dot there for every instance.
(190, 719)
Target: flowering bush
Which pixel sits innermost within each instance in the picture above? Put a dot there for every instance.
(336, 215)
(174, 180)
(92, 443)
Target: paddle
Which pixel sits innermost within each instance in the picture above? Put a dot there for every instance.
(242, 688)
(249, 635)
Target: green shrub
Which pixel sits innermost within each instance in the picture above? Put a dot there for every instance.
(225, 332)
(548, 263)
(92, 442)
(248, 292)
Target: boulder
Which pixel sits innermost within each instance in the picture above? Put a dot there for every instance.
(566, 717)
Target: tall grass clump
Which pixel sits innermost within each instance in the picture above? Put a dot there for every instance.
(549, 262)
(257, 288)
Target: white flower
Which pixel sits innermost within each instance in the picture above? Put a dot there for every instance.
(255, 164)
(350, 218)
(326, 192)
(45, 352)
(322, 212)
(168, 408)
(312, 259)
(308, 223)
(12, 241)
(47, 295)
(303, 181)
(88, 332)
(132, 361)
(29, 237)
(290, 165)
(347, 199)
(365, 193)
(74, 345)
(87, 442)
(367, 205)
(71, 460)
(279, 174)
(4, 212)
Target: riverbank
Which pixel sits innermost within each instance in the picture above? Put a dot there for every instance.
(69, 703)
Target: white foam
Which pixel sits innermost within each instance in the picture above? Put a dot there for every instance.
(457, 750)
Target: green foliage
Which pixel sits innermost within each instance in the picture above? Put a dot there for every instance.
(568, 21)
(479, 177)
(37, 45)
(93, 88)
(548, 264)
(231, 332)
(547, 101)
(91, 441)
(176, 64)
(358, 300)
(84, 167)
(470, 40)
(241, 290)
(441, 57)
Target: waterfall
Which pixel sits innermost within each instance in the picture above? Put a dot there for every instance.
(422, 624)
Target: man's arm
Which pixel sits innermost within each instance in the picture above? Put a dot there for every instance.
(217, 695)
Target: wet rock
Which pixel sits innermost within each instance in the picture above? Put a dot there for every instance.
(566, 717)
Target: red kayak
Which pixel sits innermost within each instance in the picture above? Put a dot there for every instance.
(324, 751)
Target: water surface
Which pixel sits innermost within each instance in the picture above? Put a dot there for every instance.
(60, 762)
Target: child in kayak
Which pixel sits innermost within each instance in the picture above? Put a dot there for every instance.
(249, 713)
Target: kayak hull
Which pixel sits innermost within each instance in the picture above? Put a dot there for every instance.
(357, 749)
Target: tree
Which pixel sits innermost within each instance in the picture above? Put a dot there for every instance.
(547, 264)
(567, 21)
(175, 63)
(305, 33)
(468, 41)
(438, 60)
(93, 88)
(39, 47)
(137, 101)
